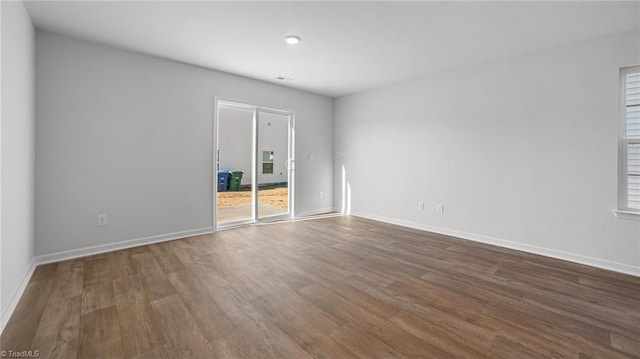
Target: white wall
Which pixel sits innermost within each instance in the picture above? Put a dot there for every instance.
(131, 136)
(17, 151)
(522, 151)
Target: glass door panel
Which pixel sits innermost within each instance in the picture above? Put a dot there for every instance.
(273, 160)
(235, 165)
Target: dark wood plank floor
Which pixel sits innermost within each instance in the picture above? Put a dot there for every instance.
(338, 287)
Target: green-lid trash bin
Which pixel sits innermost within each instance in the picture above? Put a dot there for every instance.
(235, 178)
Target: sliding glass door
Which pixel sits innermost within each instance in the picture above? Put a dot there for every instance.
(254, 164)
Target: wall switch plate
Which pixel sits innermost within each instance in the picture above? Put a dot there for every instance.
(421, 205)
(321, 195)
(440, 208)
(102, 219)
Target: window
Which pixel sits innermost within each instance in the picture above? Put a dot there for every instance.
(630, 141)
(267, 162)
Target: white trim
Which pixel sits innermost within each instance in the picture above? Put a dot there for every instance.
(275, 218)
(255, 135)
(17, 294)
(249, 105)
(220, 102)
(548, 252)
(315, 212)
(622, 125)
(624, 142)
(242, 222)
(627, 215)
(291, 182)
(214, 164)
(109, 247)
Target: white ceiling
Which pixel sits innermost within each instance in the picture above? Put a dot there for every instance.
(346, 47)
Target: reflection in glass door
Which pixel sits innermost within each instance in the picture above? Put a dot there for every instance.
(273, 164)
(235, 165)
(254, 164)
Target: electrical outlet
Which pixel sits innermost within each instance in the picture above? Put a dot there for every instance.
(440, 208)
(321, 195)
(102, 219)
(421, 205)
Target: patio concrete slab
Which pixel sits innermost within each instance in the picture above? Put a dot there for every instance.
(243, 211)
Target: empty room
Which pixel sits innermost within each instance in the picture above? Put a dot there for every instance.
(320, 179)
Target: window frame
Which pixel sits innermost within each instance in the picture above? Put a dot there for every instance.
(271, 161)
(624, 211)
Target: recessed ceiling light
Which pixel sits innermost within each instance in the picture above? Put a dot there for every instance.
(292, 39)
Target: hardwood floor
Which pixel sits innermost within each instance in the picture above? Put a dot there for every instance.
(337, 287)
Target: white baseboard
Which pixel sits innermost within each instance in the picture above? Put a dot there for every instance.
(548, 252)
(17, 294)
(315, 212)
(108, 247)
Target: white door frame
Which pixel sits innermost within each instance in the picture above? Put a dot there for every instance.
(256, 109)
